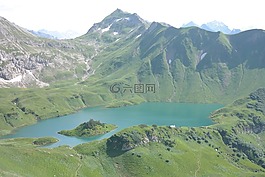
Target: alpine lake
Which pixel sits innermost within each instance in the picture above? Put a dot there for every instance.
(178, 114)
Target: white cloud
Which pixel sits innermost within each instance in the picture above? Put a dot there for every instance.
(79, 15)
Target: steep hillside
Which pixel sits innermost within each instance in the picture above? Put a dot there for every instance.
(187, 64)
(27, 60)
(242, 126)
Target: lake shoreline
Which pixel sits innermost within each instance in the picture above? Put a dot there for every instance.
(13, 131)
(149, 113)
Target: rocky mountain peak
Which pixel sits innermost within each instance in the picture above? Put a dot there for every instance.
(118, 22)
(117, 12)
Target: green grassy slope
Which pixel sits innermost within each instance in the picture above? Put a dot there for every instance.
(21, 158)
(242, 126)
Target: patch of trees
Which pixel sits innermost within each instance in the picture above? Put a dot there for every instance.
(90, 124)
(44, 141)
(259, 96)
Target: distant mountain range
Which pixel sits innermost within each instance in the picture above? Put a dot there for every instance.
(214, 26)
(55, 34)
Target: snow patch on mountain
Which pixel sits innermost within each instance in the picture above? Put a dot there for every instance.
(119, 19)
(203, 55)
(138, 36)
(106, 29)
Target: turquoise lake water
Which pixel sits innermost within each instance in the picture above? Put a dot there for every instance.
(179, 114)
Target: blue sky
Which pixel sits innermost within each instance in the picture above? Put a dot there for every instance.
(79, 15)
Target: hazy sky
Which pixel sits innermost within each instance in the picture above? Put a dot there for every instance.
(79, 15)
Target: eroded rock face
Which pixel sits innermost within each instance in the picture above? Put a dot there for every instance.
(23, 80)
(26, 60)
(21, 71)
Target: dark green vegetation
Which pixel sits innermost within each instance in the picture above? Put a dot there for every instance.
(186, 65)
(45, 141)
(90, 128)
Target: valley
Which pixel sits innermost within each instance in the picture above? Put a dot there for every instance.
(46, 78)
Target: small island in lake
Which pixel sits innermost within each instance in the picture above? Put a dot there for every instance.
(90, 128)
